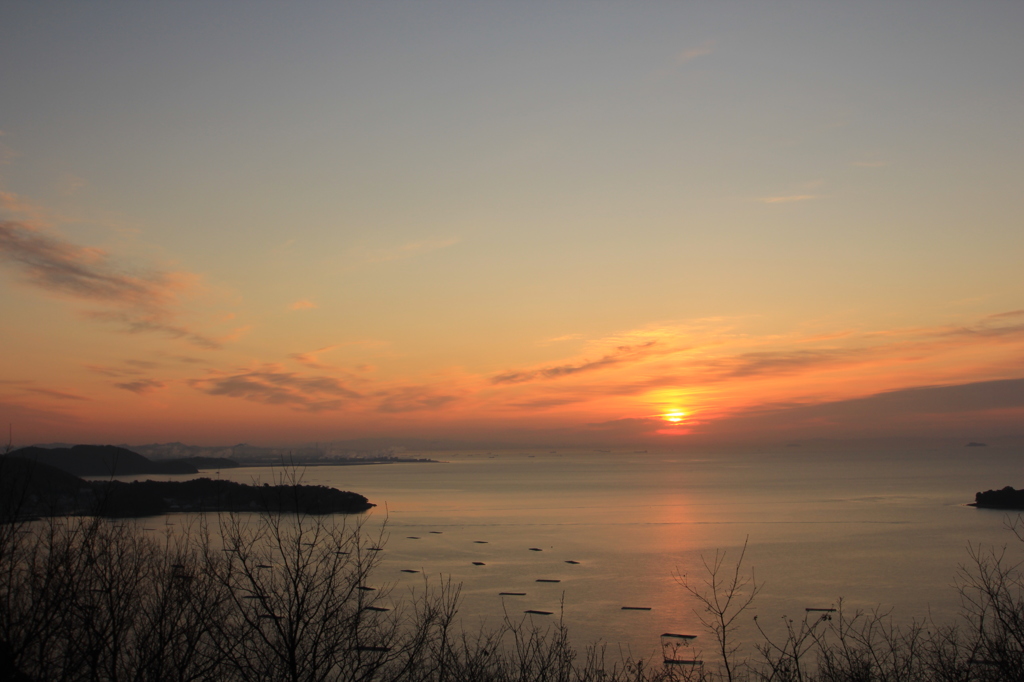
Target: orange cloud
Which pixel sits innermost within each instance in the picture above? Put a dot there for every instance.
(564, 337)
(302, 304)
(715, 374)
(409, 250)
(414, 398)
(311, 358)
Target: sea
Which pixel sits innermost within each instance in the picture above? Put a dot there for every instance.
(884, 531)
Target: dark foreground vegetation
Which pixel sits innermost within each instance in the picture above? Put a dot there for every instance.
(278, 595)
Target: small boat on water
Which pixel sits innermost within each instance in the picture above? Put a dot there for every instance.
(511, 594)
(479, 563)
(548, 580)
(539, 613)
(671, 645)
(479, 542)
(536, 549)
(636, 608)
(409, 570)
(570, 561)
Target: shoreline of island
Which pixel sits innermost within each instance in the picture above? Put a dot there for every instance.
(1005, 499)
(37, 483)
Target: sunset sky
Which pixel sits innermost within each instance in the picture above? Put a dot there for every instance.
(557, 222)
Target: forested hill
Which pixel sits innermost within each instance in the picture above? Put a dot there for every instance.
(30, 488)
(1006, 498)
(103, 460)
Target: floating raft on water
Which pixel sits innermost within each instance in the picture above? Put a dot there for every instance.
(683, 661)
(412, 537)
(364, 588)
(437, 532)
(375, 608)
(511, 594)
(548, 580)
(409, 570)
(539, 613)
(636, 608)
(570, 561)
(479, 542)
(814, 610)
(536, 549)
(479, 563)
(672, 635)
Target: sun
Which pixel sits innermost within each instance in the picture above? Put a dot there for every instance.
(675, 416)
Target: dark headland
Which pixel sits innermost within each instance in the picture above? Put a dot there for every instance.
(40, 482)
(1008, 498)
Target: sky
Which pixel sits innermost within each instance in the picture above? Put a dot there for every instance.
(662, 223)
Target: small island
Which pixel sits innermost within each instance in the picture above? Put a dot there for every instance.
(1008, 498)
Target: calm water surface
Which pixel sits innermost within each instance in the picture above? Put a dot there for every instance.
(882, 530)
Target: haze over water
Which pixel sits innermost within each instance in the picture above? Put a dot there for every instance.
(883, 531)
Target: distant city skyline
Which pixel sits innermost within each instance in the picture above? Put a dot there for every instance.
(654, 223)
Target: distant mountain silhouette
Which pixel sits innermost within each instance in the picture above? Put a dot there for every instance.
(102, 460)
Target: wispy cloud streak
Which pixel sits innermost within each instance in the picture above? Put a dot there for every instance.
(142, 386)
(64, 268)
(702, 50)
(60, 395)
(621, 354)
(137, 302)
(273, 386)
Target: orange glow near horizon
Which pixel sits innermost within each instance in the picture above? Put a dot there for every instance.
(737, 384)
(668, 248)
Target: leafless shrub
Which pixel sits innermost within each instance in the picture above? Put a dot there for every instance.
(724, 594)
